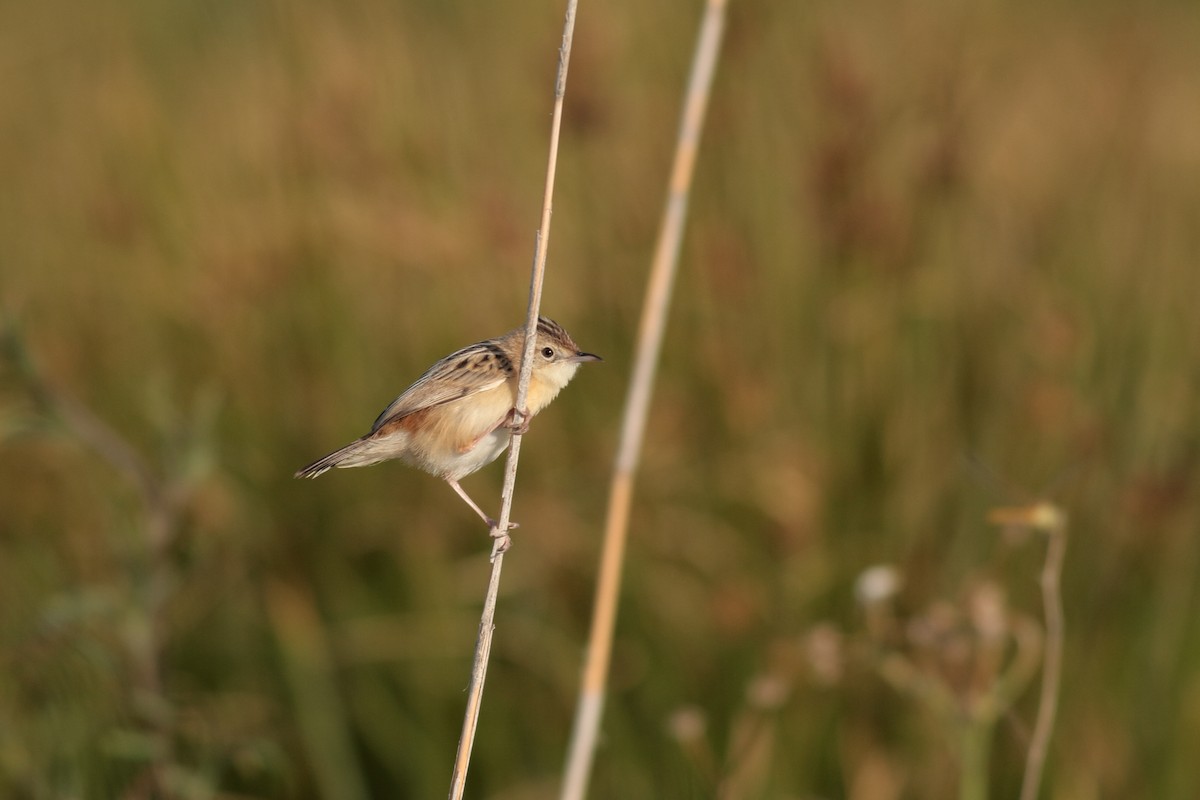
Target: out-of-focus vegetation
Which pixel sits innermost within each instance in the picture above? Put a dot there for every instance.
(942, 257)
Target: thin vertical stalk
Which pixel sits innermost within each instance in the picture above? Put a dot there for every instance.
(585, 733)
(483, 644)
(1053, 522)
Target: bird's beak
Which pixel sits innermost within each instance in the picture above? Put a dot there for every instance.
(581, 357)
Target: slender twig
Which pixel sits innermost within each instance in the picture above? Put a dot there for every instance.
(1052, 521)
(483, 645)
(584, 735)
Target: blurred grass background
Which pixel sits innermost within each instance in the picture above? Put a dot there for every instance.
(924, 234)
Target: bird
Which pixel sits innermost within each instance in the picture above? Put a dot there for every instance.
(461, 414)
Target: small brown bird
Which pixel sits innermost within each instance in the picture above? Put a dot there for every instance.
(459, 416)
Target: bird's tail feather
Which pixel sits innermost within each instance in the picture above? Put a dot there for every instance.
(359, 453)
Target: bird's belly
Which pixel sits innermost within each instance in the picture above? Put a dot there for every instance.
(482, 454)
(455, 439)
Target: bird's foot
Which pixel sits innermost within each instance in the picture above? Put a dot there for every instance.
(518, 421)
(501, 541)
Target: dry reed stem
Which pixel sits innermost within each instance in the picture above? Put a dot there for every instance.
(483, 644)
(585, 732)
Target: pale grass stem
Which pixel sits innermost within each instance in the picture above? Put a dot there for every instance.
(585, 732)
(1049, 519)
(483, 644)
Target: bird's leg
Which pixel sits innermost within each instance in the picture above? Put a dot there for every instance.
(518, 421)
(491, 523)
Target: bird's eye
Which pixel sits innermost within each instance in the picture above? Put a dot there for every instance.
(548, 352)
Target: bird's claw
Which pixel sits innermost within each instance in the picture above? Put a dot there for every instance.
(520, 427)
(501, 541)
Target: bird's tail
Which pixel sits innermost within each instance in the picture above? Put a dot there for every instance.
(359, 453)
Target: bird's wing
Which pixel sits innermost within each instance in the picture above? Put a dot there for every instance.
(477, 368)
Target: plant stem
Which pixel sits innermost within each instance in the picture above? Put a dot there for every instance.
(585, 732)
(483, 644)
(1051, 580)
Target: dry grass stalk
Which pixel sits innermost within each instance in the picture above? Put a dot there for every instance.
(1054, 524)
(1049, 519)
(585, 733)
(483, 645)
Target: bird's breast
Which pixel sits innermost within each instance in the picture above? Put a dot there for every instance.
(546, 382)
